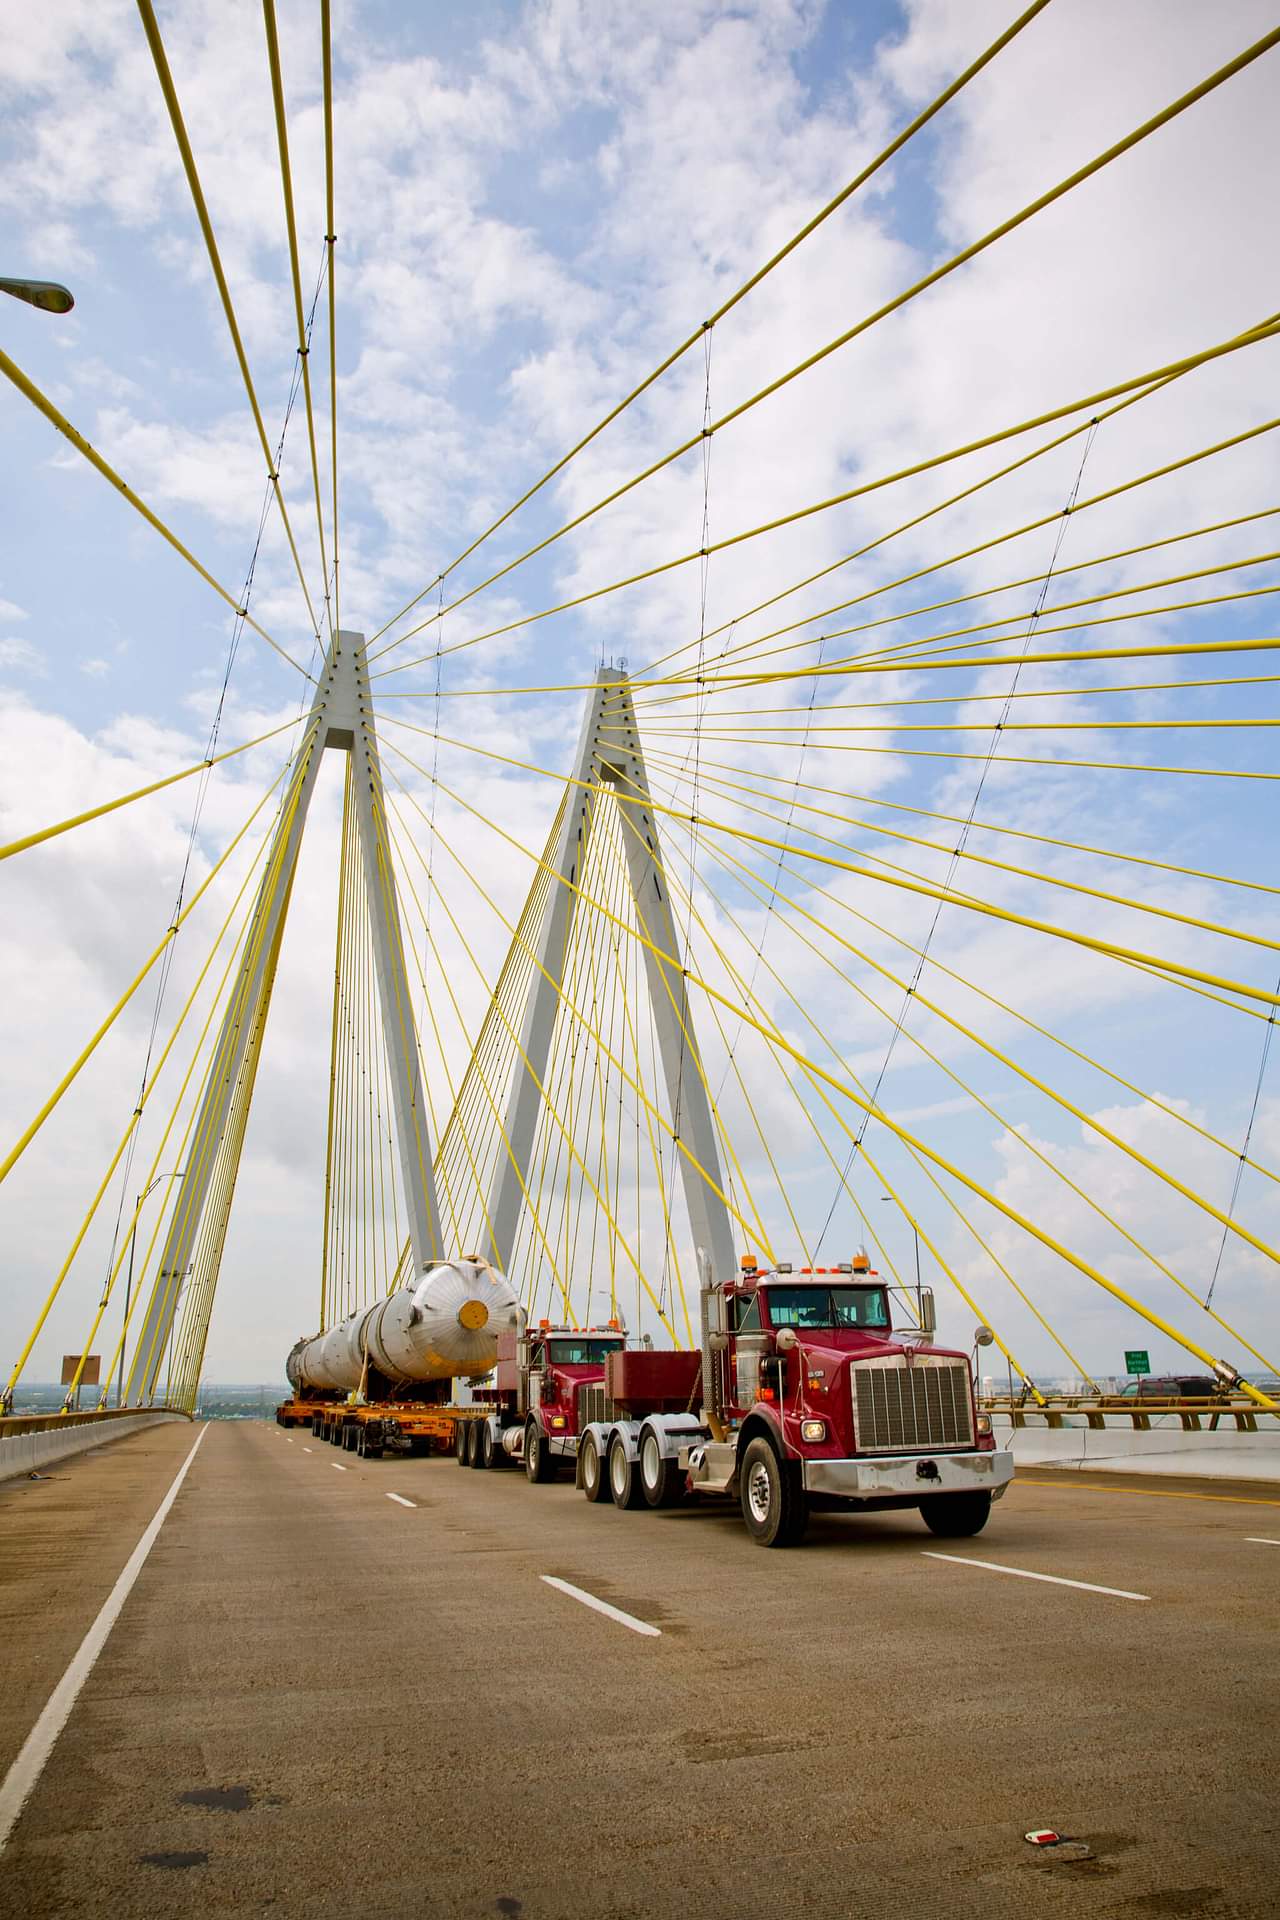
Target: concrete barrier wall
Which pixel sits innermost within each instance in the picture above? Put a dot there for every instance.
(1172, 1450)
(39, 1447)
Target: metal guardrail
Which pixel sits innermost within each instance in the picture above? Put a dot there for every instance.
(1208, 1415)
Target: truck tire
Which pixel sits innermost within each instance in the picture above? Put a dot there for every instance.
(539, 1462)
(661, 1478)
(624, 1477)
(473, 1443)
(774, 1507)
(956, 1516)
(490, 1448)
(460, 1442)
(595, 1481)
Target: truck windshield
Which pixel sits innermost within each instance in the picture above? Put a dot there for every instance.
(828, 1307)
(580, 1353)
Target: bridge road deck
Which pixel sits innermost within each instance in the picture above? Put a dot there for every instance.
(413, 1722)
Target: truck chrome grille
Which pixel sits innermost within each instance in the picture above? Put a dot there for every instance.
(593, 1404)
(899, 1408)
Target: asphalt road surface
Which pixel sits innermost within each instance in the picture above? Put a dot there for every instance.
(320, 1699)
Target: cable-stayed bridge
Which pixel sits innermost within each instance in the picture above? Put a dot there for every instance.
(902, 921)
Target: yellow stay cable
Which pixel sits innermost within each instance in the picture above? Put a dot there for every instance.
(139, 793)
(981, 1192)
(25, 1139)
(979, 826)
(747, 651)
(1060, 1099)
(1075, 179)
(156, 43)
(734, 790)
(726, 306)
(44, 405)
(304, 351)
(925, 888)
(758, 888)
(125, 1137)
(331, 241)
(1090, 401)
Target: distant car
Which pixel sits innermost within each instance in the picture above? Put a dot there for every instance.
(1173, 1386)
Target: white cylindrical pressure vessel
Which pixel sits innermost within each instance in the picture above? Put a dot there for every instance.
(444, 1327)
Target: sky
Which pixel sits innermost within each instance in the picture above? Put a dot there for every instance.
(534, 205)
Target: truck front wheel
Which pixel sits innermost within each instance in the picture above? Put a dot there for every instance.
(773, 1502)
(595, 1481)
(539, 1461)
(956, 1516)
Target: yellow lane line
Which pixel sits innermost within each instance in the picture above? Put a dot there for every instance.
(1149, 1493)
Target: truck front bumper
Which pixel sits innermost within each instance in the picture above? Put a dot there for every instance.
(915, 1475)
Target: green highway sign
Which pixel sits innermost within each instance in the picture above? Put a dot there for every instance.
(1137, 1360)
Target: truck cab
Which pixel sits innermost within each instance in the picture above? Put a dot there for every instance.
(809, 1399)
(546, 1375)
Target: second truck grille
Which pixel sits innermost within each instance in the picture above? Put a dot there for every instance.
(898, 1408)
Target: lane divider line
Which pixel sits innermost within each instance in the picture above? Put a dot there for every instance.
(1257, 1540)
(39, 1743)
(306, 1449)
(336, 1467)
(601, 1606)
(402, 1502)
(1024, 1573)
(1080, 1484)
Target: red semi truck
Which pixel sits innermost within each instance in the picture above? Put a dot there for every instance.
(533, 1413)
(802, 1398)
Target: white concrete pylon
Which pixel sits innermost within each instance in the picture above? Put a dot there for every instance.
(609, 755)
(341, 718)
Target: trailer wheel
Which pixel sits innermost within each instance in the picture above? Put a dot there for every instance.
(956, 1516)
(473, 1443)
(539, 1462)
(661, 1479)
(595, 1481)
(371, 1435)
(460, 1442)
(624, 1478)
(490, 1449)
(773, 1503)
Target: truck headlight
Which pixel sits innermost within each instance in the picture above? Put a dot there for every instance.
(984, 1424)
(813, 1429)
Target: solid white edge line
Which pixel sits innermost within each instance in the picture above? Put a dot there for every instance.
(402, 1502)
(1259, 1540)
(1024, 1573)
(601, 1606)
(39, 1743)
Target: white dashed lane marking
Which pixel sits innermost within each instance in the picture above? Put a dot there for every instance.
(402, 1502)
(1024, 1573)
(602, 1606)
